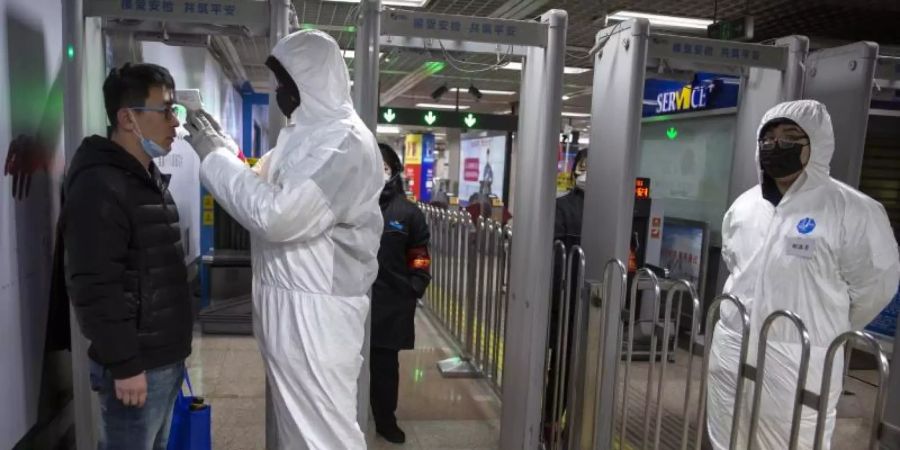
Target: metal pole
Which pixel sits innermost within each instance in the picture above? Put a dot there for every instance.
(890, 439)
(523, 358)
(73, 131)
(365, 63)
(711, 318)
(615, 118)
(859, 339)
(278, 28)
(759, 379)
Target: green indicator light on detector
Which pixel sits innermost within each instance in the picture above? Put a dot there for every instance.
(70, 51)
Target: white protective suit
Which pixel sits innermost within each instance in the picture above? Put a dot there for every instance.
(311, 207)
(849, 274)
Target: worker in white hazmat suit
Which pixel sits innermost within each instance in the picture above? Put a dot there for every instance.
(311, 207)
(805, 242)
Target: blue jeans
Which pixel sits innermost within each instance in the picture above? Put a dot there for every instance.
(132, 428)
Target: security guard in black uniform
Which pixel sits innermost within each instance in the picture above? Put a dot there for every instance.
(403, 275)
(567, 229)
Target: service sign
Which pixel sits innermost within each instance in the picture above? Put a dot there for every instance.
(705, 92)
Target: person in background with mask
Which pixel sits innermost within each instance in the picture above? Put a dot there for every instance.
(403, 276)
(567, 229)
(311, 208)
(804, 242)
(569, 208)
(124, 263)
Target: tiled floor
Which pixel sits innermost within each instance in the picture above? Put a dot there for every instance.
(436, 413)
(439, 413)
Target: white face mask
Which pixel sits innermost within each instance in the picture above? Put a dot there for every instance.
(387, 177)
(581, 181)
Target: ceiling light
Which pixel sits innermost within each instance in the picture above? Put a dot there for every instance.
(566, 70)
(406, 3)
(388, 129)
(350, 54)
(566, 98)
(663, 21)
(439, 106)
(506, 112)
(575, 114)
(488, 91)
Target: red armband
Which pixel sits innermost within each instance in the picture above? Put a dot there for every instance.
(418, 258)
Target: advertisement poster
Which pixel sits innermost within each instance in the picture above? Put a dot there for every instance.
(412, 163)
(565, 163)
(483, 162)
(426, 185)
(682, 250)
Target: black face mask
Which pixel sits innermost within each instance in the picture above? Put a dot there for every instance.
(781, 161)
(287, 95)
(287, 102)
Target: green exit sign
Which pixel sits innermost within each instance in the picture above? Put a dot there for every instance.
(447, 119)
(740, 29)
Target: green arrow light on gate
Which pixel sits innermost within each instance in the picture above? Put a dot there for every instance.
(389, 115)
(672, 133)
(470, 120)
(430, 118)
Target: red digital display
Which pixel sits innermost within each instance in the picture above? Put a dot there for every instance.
(641, 188)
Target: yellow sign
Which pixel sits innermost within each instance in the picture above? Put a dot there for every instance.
(564, 182)
(454, 201)
(208, 218)
(208, 202)
(413, 149)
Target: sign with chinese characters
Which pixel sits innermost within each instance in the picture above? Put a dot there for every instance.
(718, 52)
(395, 22)
(705, 92)
(249, 13)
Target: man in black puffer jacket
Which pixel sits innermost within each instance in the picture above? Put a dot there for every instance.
(124, 260)
(403, 276)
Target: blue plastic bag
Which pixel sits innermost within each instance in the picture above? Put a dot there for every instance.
(191, 422)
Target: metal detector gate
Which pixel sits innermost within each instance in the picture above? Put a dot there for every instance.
(174, 21)
(770, 74)
(542, 44)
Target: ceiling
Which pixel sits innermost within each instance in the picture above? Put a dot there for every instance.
(849, 20)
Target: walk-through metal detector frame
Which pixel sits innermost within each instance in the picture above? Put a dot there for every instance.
(841, 78)
(770, 74)
(84, 112)
(543, 46)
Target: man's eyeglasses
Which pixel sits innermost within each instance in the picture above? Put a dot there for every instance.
(781, 144)
(168, 111)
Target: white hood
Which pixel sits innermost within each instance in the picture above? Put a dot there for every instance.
(313, 59)
(814, 119)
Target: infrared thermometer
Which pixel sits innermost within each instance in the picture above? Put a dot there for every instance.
(189, 98)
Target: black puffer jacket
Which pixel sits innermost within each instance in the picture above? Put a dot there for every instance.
(403, 270)
(125, 269)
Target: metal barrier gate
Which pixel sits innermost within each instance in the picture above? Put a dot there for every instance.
(663, 428)
(469, 290)
(469, 297)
